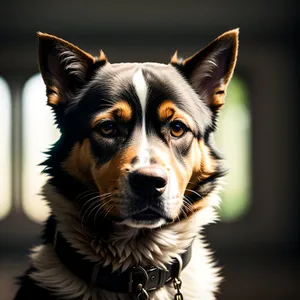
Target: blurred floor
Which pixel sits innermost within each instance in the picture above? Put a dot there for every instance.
(11, 266)
(259, 278)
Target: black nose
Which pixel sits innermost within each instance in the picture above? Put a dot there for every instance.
(148, 182)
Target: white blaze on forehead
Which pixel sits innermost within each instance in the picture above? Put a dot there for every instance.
(140, 86)
(141, 89)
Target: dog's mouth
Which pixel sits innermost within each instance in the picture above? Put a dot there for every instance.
(147, 215)
(147, 218)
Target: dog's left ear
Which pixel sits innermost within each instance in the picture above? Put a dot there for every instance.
(210, 70)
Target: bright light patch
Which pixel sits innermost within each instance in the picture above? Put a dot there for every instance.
(39, 133)
(5, 150)
(233, 139)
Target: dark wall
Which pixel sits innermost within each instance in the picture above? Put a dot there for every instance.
(261, 251)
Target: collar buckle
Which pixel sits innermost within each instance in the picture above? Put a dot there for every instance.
(137, 276)
(150, 278)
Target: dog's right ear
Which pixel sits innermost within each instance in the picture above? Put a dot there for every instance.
(65, 68)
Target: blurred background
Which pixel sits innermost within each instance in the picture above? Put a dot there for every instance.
(257, 240)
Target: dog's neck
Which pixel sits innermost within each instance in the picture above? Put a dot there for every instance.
(101, 277)
(122, 247)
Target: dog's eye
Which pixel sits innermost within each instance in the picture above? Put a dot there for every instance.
(107, 128)
(177, 128)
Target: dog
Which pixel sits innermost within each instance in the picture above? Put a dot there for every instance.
(134, 176)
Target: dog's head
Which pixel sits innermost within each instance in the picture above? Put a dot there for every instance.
(138, 134)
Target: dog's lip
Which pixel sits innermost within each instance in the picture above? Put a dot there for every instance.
(148, 214)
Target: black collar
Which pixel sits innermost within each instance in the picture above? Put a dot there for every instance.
(98, 276)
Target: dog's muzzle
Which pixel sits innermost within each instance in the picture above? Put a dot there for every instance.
(145, 197)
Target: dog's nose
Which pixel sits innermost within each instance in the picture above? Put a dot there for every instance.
(148, 182)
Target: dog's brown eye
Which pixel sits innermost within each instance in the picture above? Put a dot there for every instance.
(177, 129)
(107, 128)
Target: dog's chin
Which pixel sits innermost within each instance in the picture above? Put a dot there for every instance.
(134, 223)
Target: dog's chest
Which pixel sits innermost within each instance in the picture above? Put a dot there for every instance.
(199, 281)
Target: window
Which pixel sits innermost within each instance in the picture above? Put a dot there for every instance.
(233, 139)
(38, 135)
(5, 149)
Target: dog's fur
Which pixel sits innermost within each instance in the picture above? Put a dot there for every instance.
(117, 120)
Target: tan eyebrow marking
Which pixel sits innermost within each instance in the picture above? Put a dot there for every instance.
(168, 110)
(121, 110)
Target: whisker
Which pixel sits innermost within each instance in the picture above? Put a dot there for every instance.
(189, 207)
(109, 209)
(91, 199)
(82, 195)
(94, 204)
(194, 192)
(96, 214)
(103, 196)
(88, 209)
(187, 204)
(96, 207)
(100, 208)
(192, 182)
(187, 199)
(182, 211)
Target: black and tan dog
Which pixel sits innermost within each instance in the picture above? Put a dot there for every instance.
(133, 177)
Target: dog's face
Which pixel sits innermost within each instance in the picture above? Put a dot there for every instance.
(139, 133)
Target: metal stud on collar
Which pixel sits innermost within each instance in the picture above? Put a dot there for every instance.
(143, 295)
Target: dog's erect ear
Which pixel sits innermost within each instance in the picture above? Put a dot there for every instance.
(65, 68)
(209, 70)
